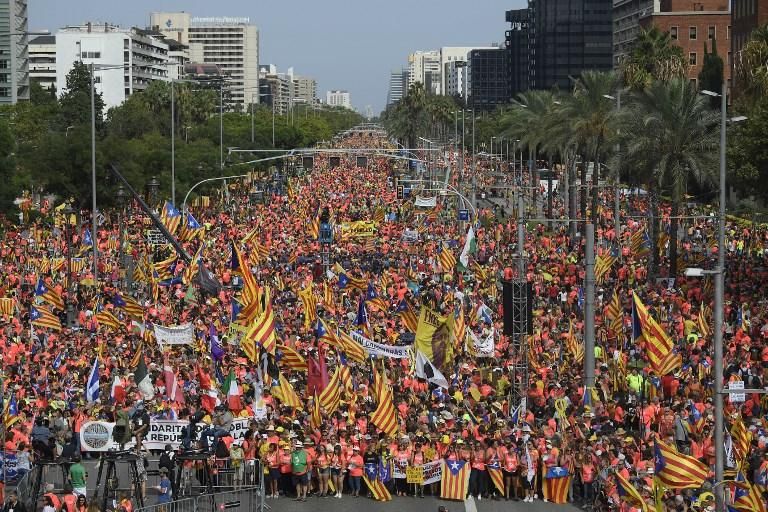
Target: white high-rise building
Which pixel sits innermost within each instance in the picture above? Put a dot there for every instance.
(398, 83)
(42, 61)
(424, 67)
(231, 43)
(338, 99)
(134, 58)
(14, 52)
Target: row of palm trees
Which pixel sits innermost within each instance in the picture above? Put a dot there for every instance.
(664, 137)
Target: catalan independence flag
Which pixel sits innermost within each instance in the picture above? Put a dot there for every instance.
(640, 243)
(373, 299)
(129, 305)
(284, 392)
(644, 327)
(494, 472)
(629, 493)
(7, 306)
(291, 359)
(556, 483)
(454, 483)
(615, 314)
(746, 496)
(408, 317)
(351, 348)
(49, 295)
(170, 217)
(373, 478)
(677, 471)
(107, 319)
(42, 317)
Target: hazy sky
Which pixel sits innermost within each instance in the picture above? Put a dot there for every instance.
(343, 44)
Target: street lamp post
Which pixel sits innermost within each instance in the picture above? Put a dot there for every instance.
(121, 198)
(719, 304)
(94, 240)
(68, 212)
(617, 191)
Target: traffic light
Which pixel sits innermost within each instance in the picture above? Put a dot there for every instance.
(400, 192)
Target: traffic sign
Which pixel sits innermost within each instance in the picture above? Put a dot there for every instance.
(737, 397)
(464, 215)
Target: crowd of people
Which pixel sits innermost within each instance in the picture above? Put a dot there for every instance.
(377, 285)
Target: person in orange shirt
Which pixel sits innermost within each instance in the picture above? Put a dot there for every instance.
(337, 464)
(355, 467)
(478, 478)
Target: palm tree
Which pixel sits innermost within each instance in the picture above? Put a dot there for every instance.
(531, 122)
(407, 119)
(592, 116)
(752, 66)
(674, 132)
(653, 57)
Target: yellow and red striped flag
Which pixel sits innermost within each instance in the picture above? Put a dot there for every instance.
(494, 471)
(556, 483)
(603, 266)
(385, 415)
(309, 301)
(454, 482)
(291, 359)
(330, 397)
(678, 471)
(285, 393)
(263, 330)
(107, 319)
(742, 440)
(315, 419)
(42, 317)
(658, 343)
(446, 258)
(351, 348)
(7, 306)
(373, 480)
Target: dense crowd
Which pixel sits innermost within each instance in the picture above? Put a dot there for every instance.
(594, 434)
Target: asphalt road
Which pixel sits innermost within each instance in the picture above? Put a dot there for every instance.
(349, 504)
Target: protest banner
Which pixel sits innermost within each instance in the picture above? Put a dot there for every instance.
(358, 229)
(379, 349)
(9, 466)
(96, 436)
(175, 334)
(414, 474)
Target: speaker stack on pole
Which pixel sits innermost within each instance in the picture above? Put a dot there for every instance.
(517, 299)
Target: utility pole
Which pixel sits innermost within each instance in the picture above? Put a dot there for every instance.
(474, 175)
(718, 338)
(521, 235)
(173, 148)
(94, 220)
(589, 308)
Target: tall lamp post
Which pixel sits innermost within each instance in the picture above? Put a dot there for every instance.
(719, 304)
(121, 199)
(617, 185)
(68, 213)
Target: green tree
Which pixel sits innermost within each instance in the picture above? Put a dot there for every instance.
(654, 56)
(75, 103)
(592, 116)
(752, 68)
(408, 118)
(748, 153)
(711, 74)
(672, 131)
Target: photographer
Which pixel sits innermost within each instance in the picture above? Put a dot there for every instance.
(140, 422)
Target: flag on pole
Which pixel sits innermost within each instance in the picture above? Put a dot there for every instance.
(330, 397)
(170, 217)
(677, 471)
(173, 391)
(470, 247)
(290, 358)
(454, 482)
(556, 483)
(385, 415)
(446, 258)
(49, 295)
(143, 381)
(427, 371)
(117, 393)
(42, 317)
(284, 392)
(629, 493)
(658, 343)
(92, 387)
(263, 331)
(232, 390)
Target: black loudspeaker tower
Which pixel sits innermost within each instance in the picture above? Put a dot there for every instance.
(362, 161)
(308, 162)
(335, 161)
(517, 297)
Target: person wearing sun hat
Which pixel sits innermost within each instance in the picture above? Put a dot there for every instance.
(300, 470)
